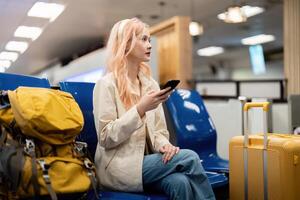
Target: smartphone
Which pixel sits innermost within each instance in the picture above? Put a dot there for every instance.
(171, 83)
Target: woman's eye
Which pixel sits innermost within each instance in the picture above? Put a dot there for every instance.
(145, 38)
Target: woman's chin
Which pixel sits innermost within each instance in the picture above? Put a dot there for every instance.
(146, 59)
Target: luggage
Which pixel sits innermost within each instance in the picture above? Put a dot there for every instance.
(38, 152)
(264, 166)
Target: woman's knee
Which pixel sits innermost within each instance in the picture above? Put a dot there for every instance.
(178, 182)
(189, 160)
(189, 154)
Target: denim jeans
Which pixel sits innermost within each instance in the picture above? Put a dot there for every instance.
(182, 178)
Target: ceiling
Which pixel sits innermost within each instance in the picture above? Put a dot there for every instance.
(85, 24)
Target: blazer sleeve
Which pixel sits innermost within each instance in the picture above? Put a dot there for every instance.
(111, 129)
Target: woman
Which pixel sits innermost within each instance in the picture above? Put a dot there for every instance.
(133, 152)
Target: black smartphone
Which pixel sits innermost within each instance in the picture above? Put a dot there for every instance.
(171, 83)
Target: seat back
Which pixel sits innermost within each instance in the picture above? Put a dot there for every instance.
(191, 122)
(12, 81)
(83, 94)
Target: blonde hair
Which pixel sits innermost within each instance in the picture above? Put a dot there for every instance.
(122, 39)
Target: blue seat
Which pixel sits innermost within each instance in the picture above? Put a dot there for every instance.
(83, 93)
(12, 81)
(217, 181)
(111, 195)
(194, 128)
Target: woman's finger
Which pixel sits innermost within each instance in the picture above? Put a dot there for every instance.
(163, 91)
(177, 149)
(166, 95)
(166, 154)
(165, 160)
(170, 156)
(172, 152)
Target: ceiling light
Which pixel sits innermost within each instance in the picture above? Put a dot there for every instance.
(16, 46)
(257, 39)
(28, 32)
(13, 56)
(46, 10)
(236, 14)
(5, 63)
(233, 14)
(252, 10)
(210, 51)
(195, 29)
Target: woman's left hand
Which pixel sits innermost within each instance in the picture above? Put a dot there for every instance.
(168, 152)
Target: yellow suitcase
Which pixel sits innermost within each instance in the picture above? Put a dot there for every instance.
(264, 166)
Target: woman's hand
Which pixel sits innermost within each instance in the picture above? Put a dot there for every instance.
(168, 152)
(151, 100)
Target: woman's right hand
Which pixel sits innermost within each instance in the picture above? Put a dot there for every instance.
(152, 99)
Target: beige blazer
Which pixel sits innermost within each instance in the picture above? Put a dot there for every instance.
(122, 135)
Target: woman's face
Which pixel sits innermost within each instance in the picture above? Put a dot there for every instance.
(142, 49)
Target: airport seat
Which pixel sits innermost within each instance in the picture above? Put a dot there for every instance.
(83, 94)
(194, 129)
(12, 81)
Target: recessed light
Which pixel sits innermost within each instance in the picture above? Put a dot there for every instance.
(16, 46)
(28, 32)
(5, 63)
(252, 10)
(258, 39)
(13, 56)
(195, 29)
(236, 14)
(46, 10)
(210, 51)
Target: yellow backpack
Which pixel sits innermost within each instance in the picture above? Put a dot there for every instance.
(51, 116)
(38, 152)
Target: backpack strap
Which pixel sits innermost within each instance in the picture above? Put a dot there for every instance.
(82, 150)
(19, 167)
(3, 136)
(12, 159)
(91, 174)
(30, 150)
(11, 165)
(46, 177)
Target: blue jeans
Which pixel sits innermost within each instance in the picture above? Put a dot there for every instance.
(182, 178)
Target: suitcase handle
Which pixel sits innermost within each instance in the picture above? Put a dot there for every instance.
(264, 105)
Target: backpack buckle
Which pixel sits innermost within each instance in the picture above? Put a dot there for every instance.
(88, 164)
(29, 147)
(80, 148)
(4, 100)
(45, 168)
